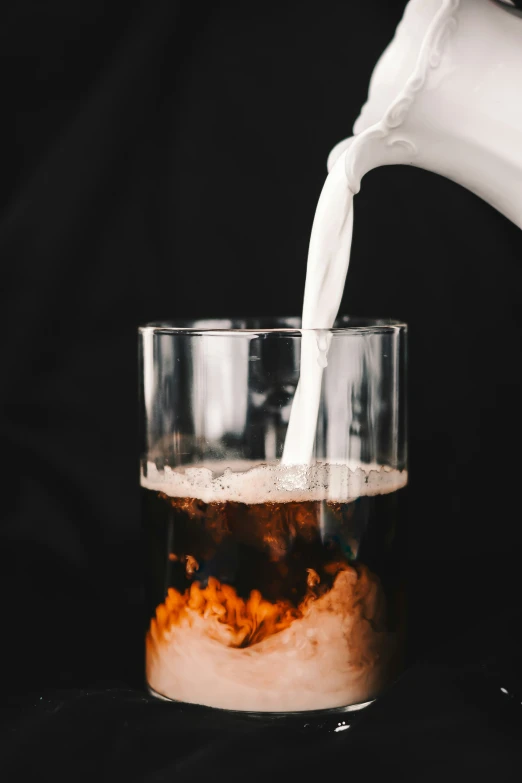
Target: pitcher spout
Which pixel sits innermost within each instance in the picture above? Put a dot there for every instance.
(446, 96)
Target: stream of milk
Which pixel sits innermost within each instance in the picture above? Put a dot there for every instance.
(327, 267)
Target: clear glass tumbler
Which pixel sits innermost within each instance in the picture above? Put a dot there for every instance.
(273, 587)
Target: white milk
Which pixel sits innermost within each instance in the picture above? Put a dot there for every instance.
(328, 259)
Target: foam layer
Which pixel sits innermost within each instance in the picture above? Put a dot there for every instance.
(251, 482)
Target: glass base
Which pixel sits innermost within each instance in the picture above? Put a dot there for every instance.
(337, 719)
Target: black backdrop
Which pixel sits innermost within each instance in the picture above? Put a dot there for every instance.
(164, 161)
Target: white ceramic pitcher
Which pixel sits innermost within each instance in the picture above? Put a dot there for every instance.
(446, 95)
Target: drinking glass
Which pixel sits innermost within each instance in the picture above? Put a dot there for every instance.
(274, 584)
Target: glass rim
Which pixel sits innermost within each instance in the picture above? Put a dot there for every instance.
(284, 326)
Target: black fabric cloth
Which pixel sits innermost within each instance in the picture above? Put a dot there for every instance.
(163, 160)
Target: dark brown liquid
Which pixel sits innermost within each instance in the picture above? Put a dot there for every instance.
(285, 551)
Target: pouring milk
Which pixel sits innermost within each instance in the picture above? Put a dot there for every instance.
(446, 95)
